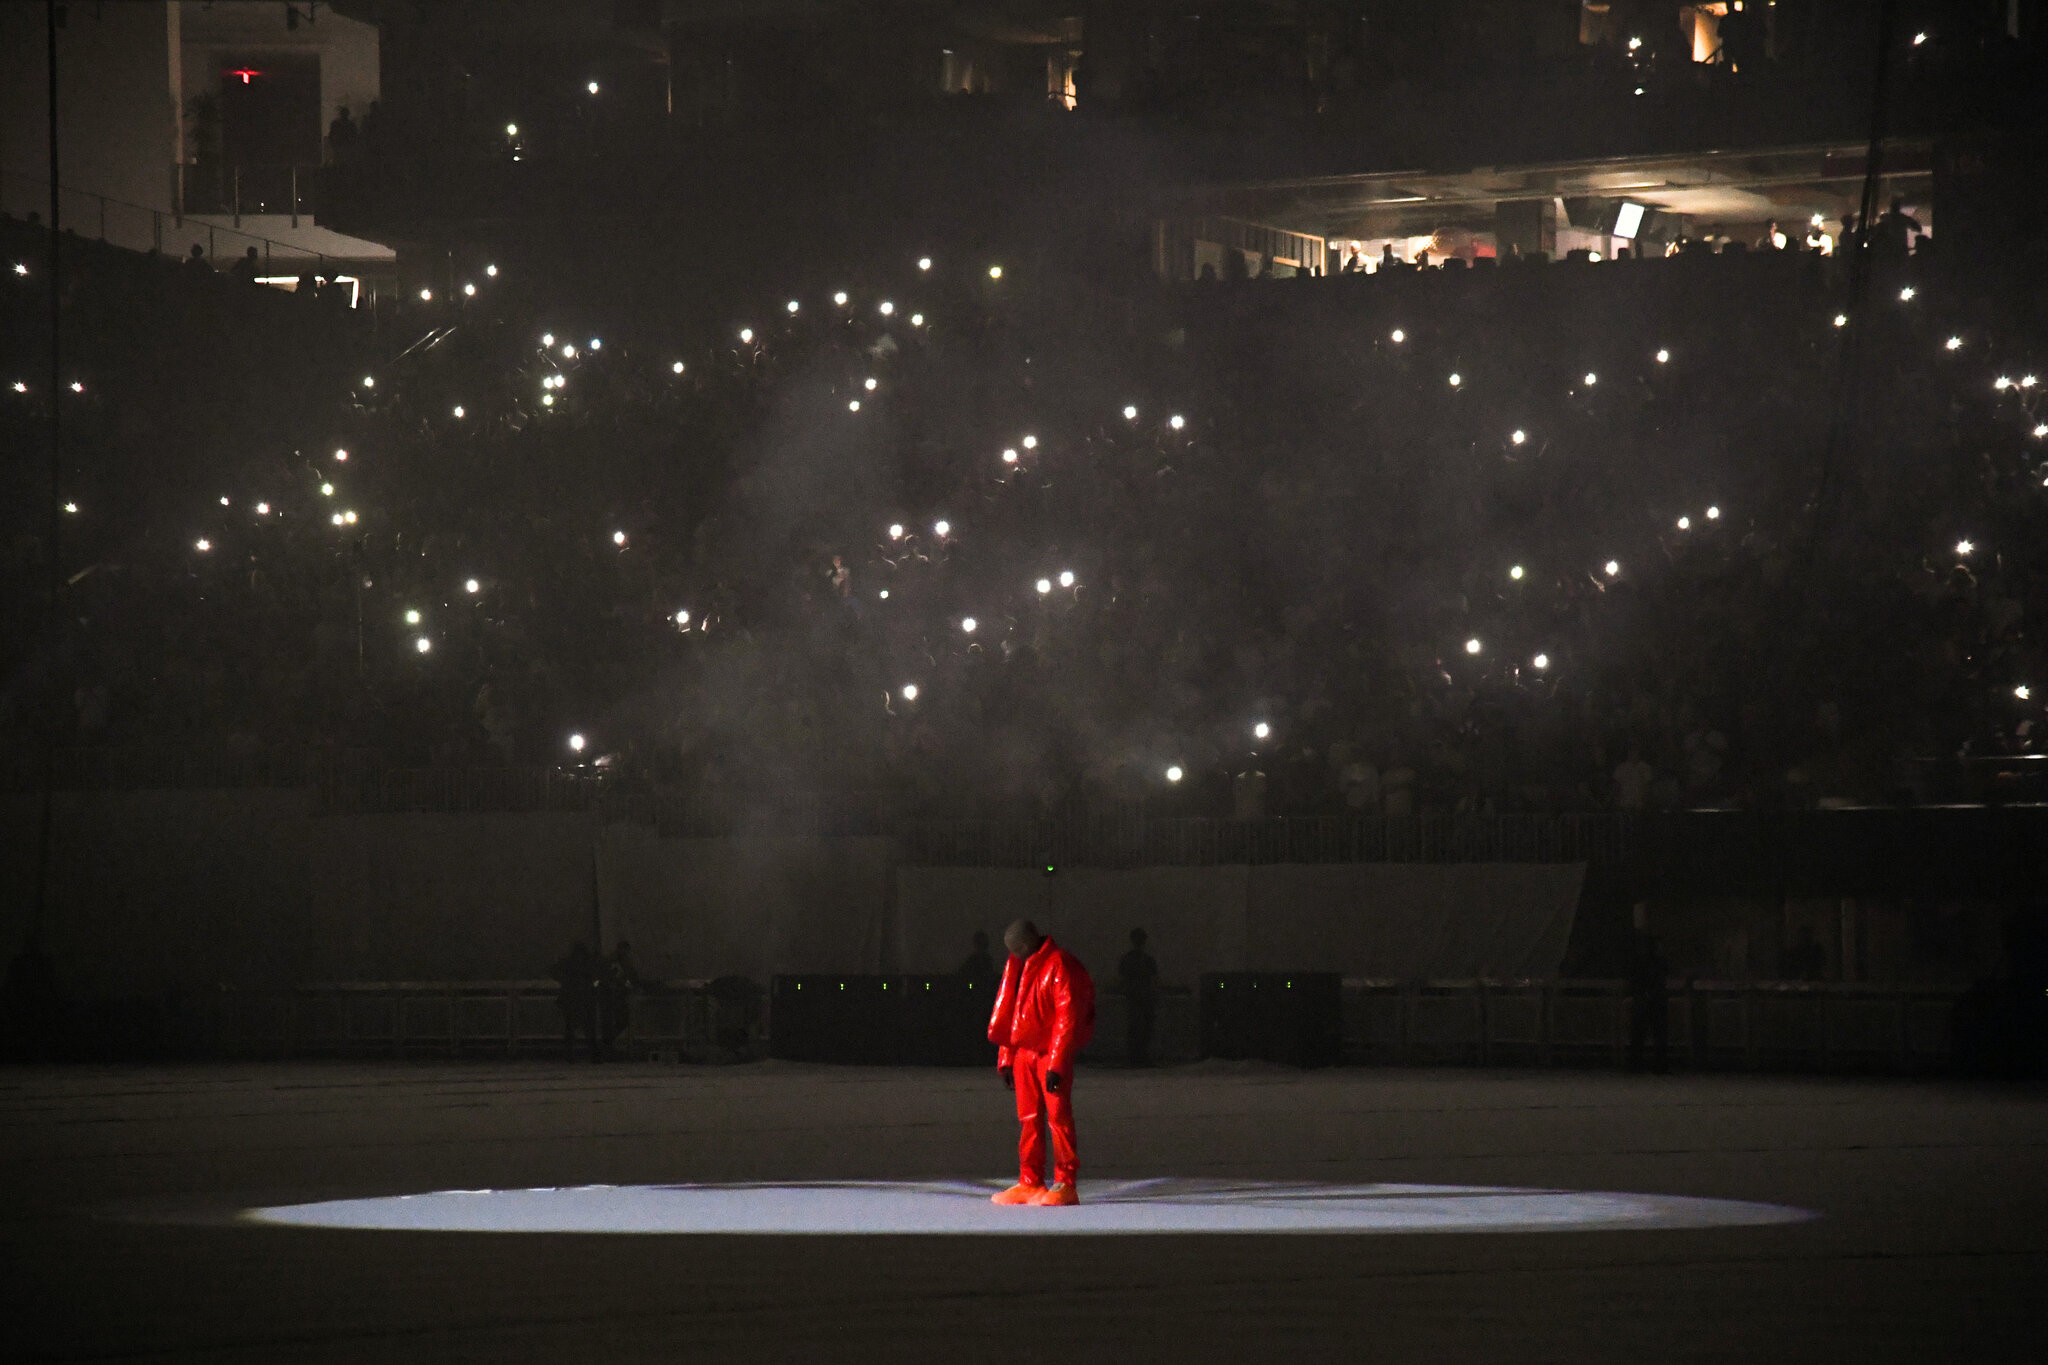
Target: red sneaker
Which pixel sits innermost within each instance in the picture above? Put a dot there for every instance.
(1061, 1195)
(1017, 1194)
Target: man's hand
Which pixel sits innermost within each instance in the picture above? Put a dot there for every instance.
(1009, 1081)
(1053, 1083)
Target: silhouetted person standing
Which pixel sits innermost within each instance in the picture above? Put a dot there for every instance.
(1893, 233)
(578, 974)
(34, 1007)
(616, 984)
(1649, 993)
(978, 966)
(1138, 976)
(1806, 960)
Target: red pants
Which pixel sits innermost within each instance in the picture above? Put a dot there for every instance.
(1037, 1110)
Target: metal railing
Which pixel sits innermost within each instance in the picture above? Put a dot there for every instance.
(1724, 1025)
(400, 1019)
(1713, 1025)
(138, 227)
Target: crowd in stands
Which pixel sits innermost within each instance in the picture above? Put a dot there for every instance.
(969, 536)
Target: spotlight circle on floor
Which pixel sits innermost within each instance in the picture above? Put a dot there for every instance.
(953, 1208)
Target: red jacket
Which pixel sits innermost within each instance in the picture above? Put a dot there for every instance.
(1046, 1004)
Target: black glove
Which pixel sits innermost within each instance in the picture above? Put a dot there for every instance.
(1053, 1083)
(1009, 1081)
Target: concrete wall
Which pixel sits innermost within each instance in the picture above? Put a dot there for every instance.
(349, 71)
(1362, 919)
(116, 117)
(159, 890)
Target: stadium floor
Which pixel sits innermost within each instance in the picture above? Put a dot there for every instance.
(123, 1188)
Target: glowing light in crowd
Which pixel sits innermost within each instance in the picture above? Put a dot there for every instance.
(910, 691)
(677, 367)
(2023, 692)
(412, 618)
(1031, 443)
(967, 623)
(942, 528)
(1591, 379)
(1399, 336)
(262, 509)
(202, 544)
(682, 618)
(77, 386)
(1261, 730)
(1009, 457)
(326, 490)
(596, 344)
(1634, 43)
(1456, 380)
(20, 387)
(71, 507)
(1841, 319)
(1964, 547)
(924, 263)
(1955, 343)
(1472, 645)
(1174, 774)
(1176, 421)
(592, 87)
(792, 305)
(995, 272)
(471, 585)
(547, 338)
(853, 405)
(840, 298)
(511, 130)
(1541, 661)
(1663, 357)
(223, 502)
(492, 271)
(336, 519)
(869, 384)
(547, 400)
(469, 290)
(458, 409)
(341, 454)
(2028, 381)
(1044, 586)
(746, 334)
(884, 594)
(1066, 578)
(1519, 436)
(1906, 294)
(1612, 567)
(568, 350)
(887, 308)
(1918, 39)
(1685, 523)
(20, 269)
(1516, 573)
(423, 644)
(896, 530)
(618, 537)
(2041, 430)
(576, 743)
(349, 517)
(917, 319)
(1713, 514)
(426, 294)
(1130, 413)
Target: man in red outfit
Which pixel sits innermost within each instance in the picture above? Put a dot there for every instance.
(1044, 1014)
